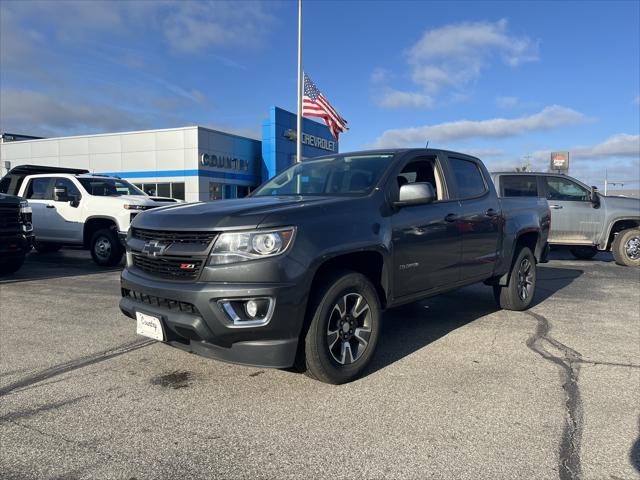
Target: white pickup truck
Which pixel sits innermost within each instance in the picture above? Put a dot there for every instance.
(73, 207)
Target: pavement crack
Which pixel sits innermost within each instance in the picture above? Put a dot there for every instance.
(569, 361)
(75, 364)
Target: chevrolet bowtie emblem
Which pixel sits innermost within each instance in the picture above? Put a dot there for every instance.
(154, 247)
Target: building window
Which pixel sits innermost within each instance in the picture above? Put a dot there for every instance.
(215, 191)
(242, 191)
(230, 191)
(163, 189)
(171, 190)
(177, 190)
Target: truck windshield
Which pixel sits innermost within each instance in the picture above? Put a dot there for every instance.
(109, 187)
(344, 175)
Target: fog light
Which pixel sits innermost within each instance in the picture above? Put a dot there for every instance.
(246, 312)
(252, 308)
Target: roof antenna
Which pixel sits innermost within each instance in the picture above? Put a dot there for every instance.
(427, 146)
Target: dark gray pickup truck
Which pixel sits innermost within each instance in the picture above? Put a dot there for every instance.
(298, 273)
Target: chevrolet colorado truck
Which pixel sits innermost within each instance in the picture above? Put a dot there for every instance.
(298, 273)
(73, 207)
(581, 218)
(16, 233)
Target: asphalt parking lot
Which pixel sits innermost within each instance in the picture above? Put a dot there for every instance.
(457, 389)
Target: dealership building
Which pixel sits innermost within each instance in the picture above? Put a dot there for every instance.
(190, 163)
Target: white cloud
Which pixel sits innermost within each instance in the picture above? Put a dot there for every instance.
(34, 113)
(621, 145)
(380, 75)
(391, 98)
(195, 26)
(453, 56)
(548, 118)
(507, 102)
(619, 155)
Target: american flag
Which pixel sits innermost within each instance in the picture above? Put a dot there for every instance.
(315, 105)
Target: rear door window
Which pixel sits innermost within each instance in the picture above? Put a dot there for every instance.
(468, 177)
(519, 185)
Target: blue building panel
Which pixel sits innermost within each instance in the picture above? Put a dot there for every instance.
(279, 141)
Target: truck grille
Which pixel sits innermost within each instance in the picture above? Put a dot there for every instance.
(9, 217)
(203, 238)
(169, 267)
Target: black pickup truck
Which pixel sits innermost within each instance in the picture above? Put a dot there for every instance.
(299, 273)
(16, 232)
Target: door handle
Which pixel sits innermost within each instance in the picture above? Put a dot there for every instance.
(51, 206)
(555, 207)
(452, 217)
(491, 213)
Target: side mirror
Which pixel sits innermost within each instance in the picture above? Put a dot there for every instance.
(74, 200)
(60, 194)
(415, 194)
(594, 197)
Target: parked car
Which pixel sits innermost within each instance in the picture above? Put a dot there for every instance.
(299, 272)
(582, 218)
(72, 207)
(16, 233)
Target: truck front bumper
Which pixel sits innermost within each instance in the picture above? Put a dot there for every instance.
(194, 321)
(16, 244)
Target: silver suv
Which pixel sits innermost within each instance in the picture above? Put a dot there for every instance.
(581, 217)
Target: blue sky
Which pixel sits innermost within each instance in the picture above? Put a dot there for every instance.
(509, 82)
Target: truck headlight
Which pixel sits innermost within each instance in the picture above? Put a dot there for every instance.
(235, 247)
(133, 206)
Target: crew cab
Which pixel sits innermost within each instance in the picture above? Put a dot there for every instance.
(16, 232)
(582, 217)
(72, 207)
(299, 272)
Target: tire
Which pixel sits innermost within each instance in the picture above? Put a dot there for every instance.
(106, 249)
(11, 265)
(519, 293)
(583, 252)
(340, 302)
(626, 248)
(47, 247)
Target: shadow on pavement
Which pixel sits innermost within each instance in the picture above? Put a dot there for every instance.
(64, 263)
(559, 252)
(411, 327)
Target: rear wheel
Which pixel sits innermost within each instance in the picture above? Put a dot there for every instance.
(11, 265)
(344, 328)
(584, 252)
(47, 247)
(106, 249)
(518, 294)
(626, 248)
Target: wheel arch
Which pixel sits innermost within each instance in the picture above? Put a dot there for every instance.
(618, 226)
(93, 224)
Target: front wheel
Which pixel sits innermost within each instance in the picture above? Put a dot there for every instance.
(11, 265)
(344, 329)
(583, 252)
(626, 248)
(106, 249)
(518, 294)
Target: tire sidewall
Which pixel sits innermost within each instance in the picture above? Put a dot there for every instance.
(116, 249)
(516, 302)
(11, 265)
(333, 371)
(619, 251)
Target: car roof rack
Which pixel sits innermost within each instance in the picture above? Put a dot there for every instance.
(39, 169)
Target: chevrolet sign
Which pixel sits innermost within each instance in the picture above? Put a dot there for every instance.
(312, 140)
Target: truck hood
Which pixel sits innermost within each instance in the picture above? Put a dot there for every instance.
(225, 214)
(622, 205)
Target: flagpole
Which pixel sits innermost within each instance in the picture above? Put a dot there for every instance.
(299, 119)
